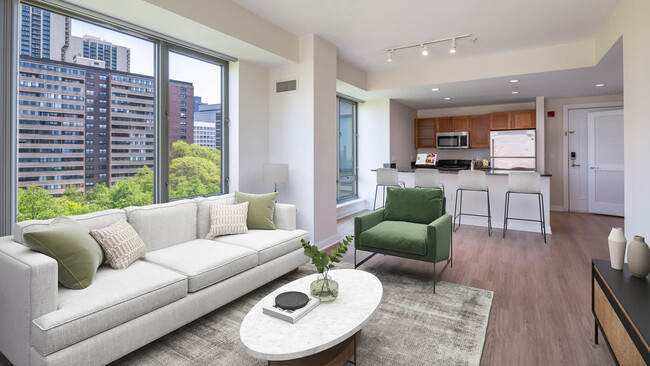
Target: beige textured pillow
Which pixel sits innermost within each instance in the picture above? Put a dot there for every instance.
(121, 243)
(228, 219)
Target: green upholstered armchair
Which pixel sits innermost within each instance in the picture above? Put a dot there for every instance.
(413, 224)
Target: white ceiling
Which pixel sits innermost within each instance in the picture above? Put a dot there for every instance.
(362, 29)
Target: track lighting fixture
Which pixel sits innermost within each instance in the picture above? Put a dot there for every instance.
(516, 91)
(424, 46)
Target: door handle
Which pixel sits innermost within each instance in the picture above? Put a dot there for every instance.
(574, 165)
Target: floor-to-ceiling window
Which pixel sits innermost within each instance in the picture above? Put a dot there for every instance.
(347, 149)
(89, 115)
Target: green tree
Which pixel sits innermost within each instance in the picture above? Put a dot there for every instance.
(73, 194)
(98, 196)
(36, 203)
(128, 193)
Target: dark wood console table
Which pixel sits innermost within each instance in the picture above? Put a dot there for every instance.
(621, 306)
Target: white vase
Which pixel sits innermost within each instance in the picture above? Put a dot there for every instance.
(638, 257)
(617, 244)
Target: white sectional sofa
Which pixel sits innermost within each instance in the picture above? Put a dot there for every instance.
(181, 278)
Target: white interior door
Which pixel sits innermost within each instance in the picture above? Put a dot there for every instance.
(605, 162)
(578, 157)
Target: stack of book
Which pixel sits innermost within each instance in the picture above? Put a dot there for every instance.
(290, 316)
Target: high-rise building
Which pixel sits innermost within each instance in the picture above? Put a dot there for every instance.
(42, 34)
(51, 147)
(207, 125)
(114, 57)
(80, 126)
(181, 111)
(197, 103)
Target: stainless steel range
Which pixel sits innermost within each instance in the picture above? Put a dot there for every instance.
(453, 165)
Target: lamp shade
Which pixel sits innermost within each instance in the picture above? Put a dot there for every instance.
(276, 173)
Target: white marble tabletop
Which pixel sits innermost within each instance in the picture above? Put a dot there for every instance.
(328, 324)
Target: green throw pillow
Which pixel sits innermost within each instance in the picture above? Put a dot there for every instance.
(260, 209)
(417, 205)
(71, 245)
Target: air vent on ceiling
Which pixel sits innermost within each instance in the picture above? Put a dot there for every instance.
(285, 86)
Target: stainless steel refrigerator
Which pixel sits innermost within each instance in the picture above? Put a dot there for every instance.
(513, 150)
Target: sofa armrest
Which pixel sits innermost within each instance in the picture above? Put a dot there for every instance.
(284, 216)
(366, 222)
(29, 288)
(439, 237)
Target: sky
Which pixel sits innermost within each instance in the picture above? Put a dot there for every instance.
(205, 76)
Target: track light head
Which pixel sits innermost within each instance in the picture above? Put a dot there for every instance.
(425, 50)
(453, 46)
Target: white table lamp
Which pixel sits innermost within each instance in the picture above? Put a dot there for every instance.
(276, 173)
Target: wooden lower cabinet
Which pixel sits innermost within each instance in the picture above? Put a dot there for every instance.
(620, 304)
(479, 131)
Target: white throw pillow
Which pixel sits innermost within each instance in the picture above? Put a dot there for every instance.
(228, 219)
(121, 243)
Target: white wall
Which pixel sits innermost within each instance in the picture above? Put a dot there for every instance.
(631, 19)
(373, 144)
(554, 140)
(402, 144)
(302, 133)
(249, 127)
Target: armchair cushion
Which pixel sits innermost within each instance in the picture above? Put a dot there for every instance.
(420, 206)
(397, 236)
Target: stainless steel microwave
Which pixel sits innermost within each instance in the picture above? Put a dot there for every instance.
(452, 140)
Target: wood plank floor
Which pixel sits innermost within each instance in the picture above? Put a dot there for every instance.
(541, 313)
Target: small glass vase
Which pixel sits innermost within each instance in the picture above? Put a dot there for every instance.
(324, 288)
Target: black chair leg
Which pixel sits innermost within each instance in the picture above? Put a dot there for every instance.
(543, 217)
(453, 224)
(489, 214)
(374, 203)
(434, 277)
(505, 215)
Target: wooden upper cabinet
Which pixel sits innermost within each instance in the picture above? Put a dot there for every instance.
(461, 124)
(425, 132)
(500, 121)
(516, 120)
(479, 131)
(523, 119)
(445, 124)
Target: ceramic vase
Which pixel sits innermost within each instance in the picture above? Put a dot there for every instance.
(638, 257)
(617, 244)
(324, 288)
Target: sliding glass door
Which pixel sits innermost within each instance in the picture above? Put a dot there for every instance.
(347, 149)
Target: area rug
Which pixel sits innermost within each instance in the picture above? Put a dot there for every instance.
(411, 327)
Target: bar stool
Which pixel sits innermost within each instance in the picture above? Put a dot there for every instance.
(428, 178)
(386, 177)
(472, 180)
(525, 183)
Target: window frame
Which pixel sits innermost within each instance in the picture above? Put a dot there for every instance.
(355, 106)
(10, 12)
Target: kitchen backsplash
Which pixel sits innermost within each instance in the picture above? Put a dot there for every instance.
(470, 154)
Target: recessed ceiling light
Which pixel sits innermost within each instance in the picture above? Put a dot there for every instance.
(435, 89)
(514, 92)
(601, 84)
(514, 80)
(447, 98)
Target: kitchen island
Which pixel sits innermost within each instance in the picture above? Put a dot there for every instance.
(521, 205)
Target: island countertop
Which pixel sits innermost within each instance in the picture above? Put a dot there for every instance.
(487, 171)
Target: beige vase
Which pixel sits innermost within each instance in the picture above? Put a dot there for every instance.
(638, 257)
(617, 244)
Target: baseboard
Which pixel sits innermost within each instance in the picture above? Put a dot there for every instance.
(557, 208)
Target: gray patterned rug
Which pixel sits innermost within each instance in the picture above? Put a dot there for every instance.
(411, 327)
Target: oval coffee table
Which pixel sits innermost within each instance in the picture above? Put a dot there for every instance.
(328, 332)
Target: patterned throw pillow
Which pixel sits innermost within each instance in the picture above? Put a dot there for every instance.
(121, 243)
(228, 219)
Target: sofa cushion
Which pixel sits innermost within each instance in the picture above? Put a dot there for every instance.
(260, 209)
(93, 220)
(421, 206)
(116, 297)
(164, 224)
(227, 219)
(204, 262)
(76, 252)
(397, 236)
(121, 244)
(203, 211)
(270, 244)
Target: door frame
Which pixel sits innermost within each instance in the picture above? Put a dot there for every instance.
(565, 143)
